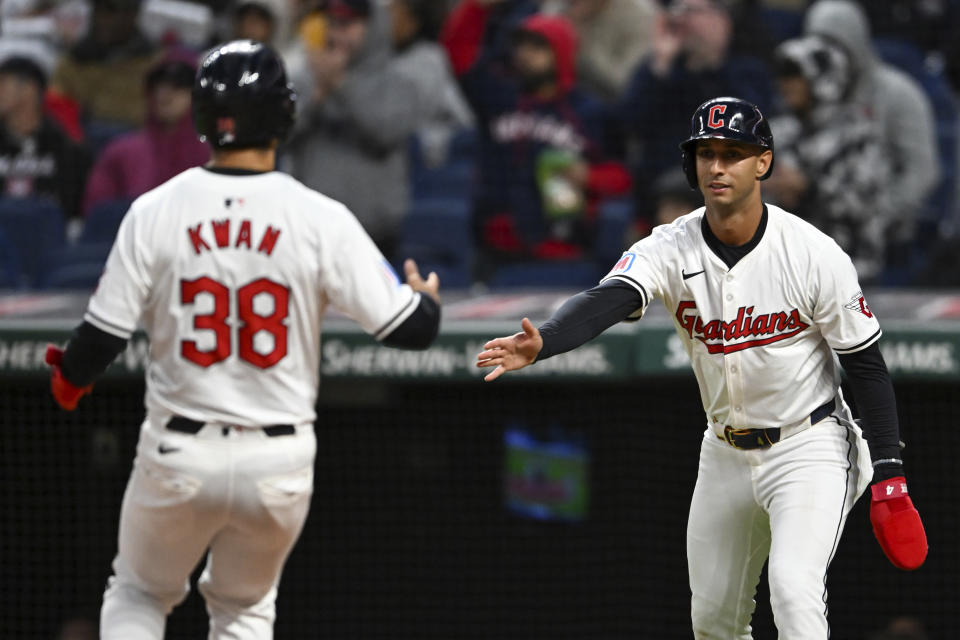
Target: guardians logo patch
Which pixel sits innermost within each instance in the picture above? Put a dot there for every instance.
(859, 303)
(746, 331)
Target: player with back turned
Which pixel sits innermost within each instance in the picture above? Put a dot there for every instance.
(229, 268)
(761, 300)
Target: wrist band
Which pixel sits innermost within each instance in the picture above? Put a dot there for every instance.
(888, 461)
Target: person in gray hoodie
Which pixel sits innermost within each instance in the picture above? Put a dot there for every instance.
(357, 109)
(897, 103)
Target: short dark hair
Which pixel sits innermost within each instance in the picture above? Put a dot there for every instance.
(250, 6)
(430, 15)
(26, 69)
(177, 73)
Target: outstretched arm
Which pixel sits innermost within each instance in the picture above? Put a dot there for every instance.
(580, 319)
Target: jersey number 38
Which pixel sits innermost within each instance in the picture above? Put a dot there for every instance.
(250, 322)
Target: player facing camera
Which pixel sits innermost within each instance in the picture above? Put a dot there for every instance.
(765, 305)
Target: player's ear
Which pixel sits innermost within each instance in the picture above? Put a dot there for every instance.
(763, 162)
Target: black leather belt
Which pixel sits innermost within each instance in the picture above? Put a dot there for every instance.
(186, 425)
(763, 438)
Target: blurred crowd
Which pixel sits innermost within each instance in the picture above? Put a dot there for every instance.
(504, 142)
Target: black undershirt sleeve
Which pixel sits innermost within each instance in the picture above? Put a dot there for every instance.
(872, 389)
(89, 353)
(91, 350)
(419, 329)
(587, 315)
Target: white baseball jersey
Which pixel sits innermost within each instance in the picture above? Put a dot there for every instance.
(230, 276)
(760, 334)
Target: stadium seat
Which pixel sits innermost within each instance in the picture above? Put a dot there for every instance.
(613, 220)
(103, 220)
(450, 180)
(573, 274)
(35, 227)
(464, 144)
(100, 133)
(10, 271)
(782, 24)
(74, 267)
(436, 233)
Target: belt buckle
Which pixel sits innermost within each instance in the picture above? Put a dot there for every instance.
(728, 434)
(762, 436)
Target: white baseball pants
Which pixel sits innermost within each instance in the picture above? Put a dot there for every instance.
(236, 495)
(788, 502)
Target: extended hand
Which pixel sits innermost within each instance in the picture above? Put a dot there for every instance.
(430, 286)
(512, 353)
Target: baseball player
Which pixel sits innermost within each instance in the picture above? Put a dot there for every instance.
(762, 301)
(229, 268)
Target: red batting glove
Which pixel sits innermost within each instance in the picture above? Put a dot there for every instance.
(64, 392)
(897, 525)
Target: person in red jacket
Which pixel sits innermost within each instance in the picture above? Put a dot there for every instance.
(543, 162)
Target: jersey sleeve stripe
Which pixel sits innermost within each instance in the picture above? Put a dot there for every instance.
(398, 318)
(639, 287)
(863, 345)
(107, 326)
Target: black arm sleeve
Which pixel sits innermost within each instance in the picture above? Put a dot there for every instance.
(419, 329)
(587, 315)
(89, 353)
(877, 407)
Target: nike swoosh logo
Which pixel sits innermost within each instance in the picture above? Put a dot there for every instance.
(687, 276)
(164, 449)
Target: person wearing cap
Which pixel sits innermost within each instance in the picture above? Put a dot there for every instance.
(543, 165)
(37, 159)
(136, 162)
(104, 72)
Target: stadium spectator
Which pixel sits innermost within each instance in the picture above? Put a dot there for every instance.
(831, 167)
(261, 20)
(104, 72)
(901, 111)
(542, 166)
(38, 29)
(136, 162)
(416, 25)
(357, 111)
(492, 35)
(691, 62)
(614, 36)
(36, 157)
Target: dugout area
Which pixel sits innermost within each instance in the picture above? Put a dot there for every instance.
(412, 534)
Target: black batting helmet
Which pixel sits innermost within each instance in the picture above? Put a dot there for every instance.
(241, 96)
(727, 119)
